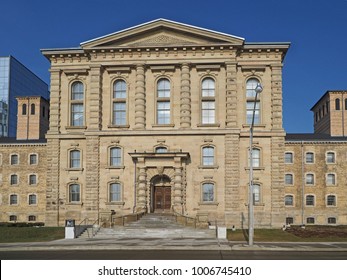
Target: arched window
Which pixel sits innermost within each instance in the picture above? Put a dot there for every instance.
(208, 157)
(115, 156)
(32, 179)
(14, 159)
(331, 200)
(337, 104)
(119, 103)
(77, 101)
(253, 104)
(14, 179)
(24, 109)
(32, 199)
(309, 200)
(163, 101)
(288, 179)
(75, 159)
(288, 157)
(309, 179)
(309, 157)
(115, 192)
(13, 199)
(74, 193)
(289, 200)
(208, 101)
(207, 192)
(330, 157)
(330, 179)
(32, 109)
(161, 150)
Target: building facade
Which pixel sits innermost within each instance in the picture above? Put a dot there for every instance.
(16, 80)
(156, 118)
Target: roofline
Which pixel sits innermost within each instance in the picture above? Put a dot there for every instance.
(158, 20)
(325, 94)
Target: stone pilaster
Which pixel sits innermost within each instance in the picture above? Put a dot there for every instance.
(186, 111)
(231, 95)
(90, 197)
(141, 190)
(52, 189)
(54, 116)
(232, 177)
(140, 98)
(277, 181)
(93, 120)
(276, 90)
(178, 194)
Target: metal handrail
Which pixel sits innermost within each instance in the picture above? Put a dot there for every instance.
(186, 218)
(123, 217)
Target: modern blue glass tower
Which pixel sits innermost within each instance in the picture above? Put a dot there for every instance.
(16, 80)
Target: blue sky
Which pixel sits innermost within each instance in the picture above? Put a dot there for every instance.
(317, 30)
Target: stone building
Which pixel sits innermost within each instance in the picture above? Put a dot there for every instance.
(316, 164)
(156, 118)
(23, 164)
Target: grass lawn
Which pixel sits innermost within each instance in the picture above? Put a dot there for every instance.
(294, 234)
(30, 234)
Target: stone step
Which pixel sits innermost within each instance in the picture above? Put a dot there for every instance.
(155, 226)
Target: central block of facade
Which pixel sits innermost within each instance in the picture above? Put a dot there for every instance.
(156, 118)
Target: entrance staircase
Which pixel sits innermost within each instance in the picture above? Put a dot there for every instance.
(153, 226)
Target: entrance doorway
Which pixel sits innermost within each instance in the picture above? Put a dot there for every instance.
(161, 194)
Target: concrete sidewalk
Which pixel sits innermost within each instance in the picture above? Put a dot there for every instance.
(170, 244)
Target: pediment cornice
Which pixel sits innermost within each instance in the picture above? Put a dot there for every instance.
(160, 33)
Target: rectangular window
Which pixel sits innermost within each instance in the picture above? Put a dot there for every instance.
(163, 112)
(208, 112)
(208, 192)
(119, 113)
(310, 200)
(331, 200)
(288, 200)
(32, 180)
(250, 108)
(115, 156)
(74, 193)
(208, 156)
(77, 113)
(75, 159)
(115, 192)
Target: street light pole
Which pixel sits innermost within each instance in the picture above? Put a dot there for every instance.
(258, 89)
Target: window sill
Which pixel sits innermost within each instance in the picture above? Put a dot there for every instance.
(125, 126)
(115, 203)
(259, 204)
(208, 166)
(164, 125)
(115, 167)
(255, 125)
(208, 125)
(256, 168)
(209, 203)
(75, 127)
(74, 169)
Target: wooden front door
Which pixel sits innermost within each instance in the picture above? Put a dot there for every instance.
(162, 199)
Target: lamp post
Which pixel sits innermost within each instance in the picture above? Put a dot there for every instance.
(258, 89)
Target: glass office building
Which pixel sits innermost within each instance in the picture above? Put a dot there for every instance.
(16, 80)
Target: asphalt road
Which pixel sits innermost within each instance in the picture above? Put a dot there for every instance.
(169, 255)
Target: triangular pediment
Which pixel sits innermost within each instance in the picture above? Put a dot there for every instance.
(160, 33)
